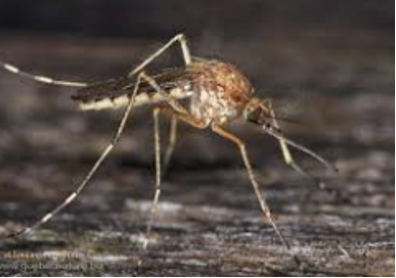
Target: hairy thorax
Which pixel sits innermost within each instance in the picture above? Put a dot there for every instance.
(220, 92)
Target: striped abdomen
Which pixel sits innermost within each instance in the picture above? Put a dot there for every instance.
(142, 98)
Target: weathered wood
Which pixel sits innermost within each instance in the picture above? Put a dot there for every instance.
(208, 222)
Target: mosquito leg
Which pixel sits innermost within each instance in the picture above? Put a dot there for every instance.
(183, 113)
(169, 99)
(157, 145)
(90, 174)
(171, 144)
(49, 80)
(157, 188)
(287, 156)
(180, 38)
(186, 118)
(39, 78)
(263, 204)
(157, 194)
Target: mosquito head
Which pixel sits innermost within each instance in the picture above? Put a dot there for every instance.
(256, 112)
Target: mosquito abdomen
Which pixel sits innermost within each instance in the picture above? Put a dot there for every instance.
(142, 98)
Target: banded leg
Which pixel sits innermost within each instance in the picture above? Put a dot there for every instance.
(90, 174)
(263, 204)
(180, 38)
(49, 80)
(40, 78)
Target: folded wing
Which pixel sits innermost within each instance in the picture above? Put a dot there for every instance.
(115, 93)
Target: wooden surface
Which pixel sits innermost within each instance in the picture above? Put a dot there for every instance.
(209, 222)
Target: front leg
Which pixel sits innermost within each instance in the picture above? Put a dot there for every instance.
(263, 204)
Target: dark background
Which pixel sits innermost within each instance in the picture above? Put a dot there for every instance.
(154, 18)
(328, 64)
(271, 40)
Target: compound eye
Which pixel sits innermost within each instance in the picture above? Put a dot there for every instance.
(268, 126)
(254, 115)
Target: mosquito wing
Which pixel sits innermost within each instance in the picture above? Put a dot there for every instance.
(114, 93)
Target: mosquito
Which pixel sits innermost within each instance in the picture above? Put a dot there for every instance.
(217, 93)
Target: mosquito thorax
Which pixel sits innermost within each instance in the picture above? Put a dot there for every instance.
(221, 91)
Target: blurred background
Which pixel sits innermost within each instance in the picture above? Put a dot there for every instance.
(157, 19)
(328, 64)
(266, 37)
